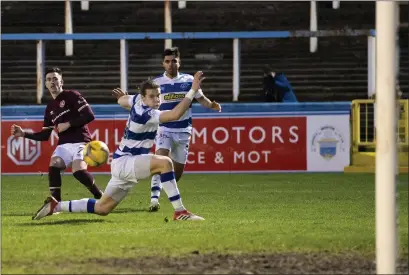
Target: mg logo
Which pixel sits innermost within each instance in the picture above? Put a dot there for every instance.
(23, 151)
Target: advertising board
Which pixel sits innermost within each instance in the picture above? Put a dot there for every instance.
(228, 142)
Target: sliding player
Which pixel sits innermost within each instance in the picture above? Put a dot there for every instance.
(132, 161)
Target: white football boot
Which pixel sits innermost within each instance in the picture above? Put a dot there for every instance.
(47, 209)
(185, 215)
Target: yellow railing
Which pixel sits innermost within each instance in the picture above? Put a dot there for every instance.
(363, 125)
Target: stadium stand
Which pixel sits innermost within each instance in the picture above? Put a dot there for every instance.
(338, 71)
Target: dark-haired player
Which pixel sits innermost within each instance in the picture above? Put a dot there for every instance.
(68, 113)
(173, 137)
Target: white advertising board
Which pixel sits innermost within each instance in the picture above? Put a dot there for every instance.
(328, 143)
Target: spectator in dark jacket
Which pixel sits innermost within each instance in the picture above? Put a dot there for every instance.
(277, 88)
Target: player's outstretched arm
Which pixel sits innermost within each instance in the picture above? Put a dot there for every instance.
(207, 103)
(123, 98)
(43, 135)
(181, 108)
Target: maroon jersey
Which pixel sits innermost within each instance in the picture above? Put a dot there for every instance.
(67, 107)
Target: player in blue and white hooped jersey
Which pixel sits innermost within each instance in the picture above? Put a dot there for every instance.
(173, 138)
(132, 161)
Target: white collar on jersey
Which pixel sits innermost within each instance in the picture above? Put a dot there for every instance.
(177, 76)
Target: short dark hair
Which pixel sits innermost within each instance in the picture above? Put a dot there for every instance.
(147, 84)
(172, 51)
(53, 70)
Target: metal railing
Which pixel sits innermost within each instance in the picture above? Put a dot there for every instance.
(235, 36)
(364, 124)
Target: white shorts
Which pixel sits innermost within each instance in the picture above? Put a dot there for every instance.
(176, 142)
(125, 173)
(69, 152)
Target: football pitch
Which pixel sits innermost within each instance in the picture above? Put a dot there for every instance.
(265, 223)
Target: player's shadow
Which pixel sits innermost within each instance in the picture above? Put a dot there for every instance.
(17, 214)
(62, 222)
(129, 210)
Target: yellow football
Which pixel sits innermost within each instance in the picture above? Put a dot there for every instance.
(96, 153)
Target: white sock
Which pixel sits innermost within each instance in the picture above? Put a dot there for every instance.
(171, 189)
(156, 186)
(77, 206)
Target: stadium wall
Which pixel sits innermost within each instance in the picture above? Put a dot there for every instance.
(243, 138)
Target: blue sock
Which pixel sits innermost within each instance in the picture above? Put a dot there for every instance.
(77, 206)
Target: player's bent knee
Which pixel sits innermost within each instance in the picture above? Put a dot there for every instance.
(103, 212)
(167, 164)
(57, 162)
(168, 161)
(103, 209)
(161, 164)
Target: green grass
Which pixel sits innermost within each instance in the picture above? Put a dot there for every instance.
(244, 213)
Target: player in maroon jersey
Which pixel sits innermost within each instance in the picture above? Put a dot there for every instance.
(68, 114)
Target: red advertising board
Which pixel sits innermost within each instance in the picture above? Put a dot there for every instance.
(248, 144)
(218, 145)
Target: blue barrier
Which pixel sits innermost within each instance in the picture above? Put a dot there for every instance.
(183, 35)
(228, 110)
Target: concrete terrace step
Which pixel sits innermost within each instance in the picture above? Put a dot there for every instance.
(336, 72)
(243, 62)
(92, 54)
(211, 80)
